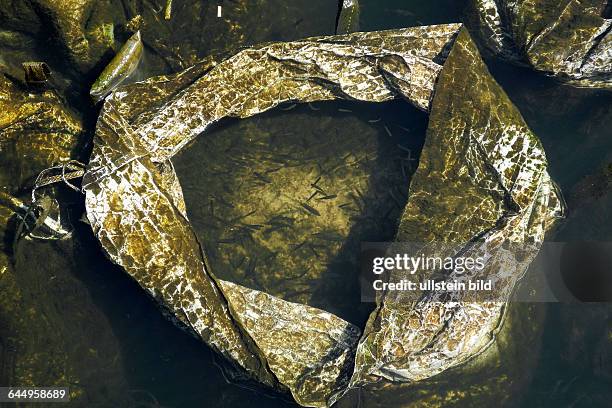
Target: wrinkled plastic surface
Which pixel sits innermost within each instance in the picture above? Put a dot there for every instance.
(570, 39)
(482, 174)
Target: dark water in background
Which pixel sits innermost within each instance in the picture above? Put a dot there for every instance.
(160, 365)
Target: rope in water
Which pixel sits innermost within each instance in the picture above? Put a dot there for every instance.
(75, 169)
(39, 209)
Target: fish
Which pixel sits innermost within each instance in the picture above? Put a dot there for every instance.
(298, 246)
(318, 189)
(395, 200)
(121, 67)
(274, 228)
(328, 236)
(243, 216)
(252, 227)
(404, 171)
(263, 178)
(404, 148)
(281, 220)
(224, 202)
(230, 240)
(288, 108)
(310, 209)
(388, 131)
(328, 197)
(401, 12)
(404, 128)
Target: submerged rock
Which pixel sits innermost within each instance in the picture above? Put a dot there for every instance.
(569, 39)
(482, 175)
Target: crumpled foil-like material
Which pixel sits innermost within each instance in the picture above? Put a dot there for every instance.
(36, 128)
(482, 173)
(88, 32)
(570, 39)
(492, 170)
(40, 342)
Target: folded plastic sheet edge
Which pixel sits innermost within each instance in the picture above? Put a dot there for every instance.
(135, 206)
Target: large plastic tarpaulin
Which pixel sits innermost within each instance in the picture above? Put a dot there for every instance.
(570, 39)
(482, 174)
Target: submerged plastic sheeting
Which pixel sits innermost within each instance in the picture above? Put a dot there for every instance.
(36, 128)
(482, 173)
(570, 39)
(480, 163)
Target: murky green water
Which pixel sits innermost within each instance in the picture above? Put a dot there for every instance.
(130, 355)
(282, 201)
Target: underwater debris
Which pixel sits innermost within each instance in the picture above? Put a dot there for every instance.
(37, 131)
(348, 17)
(36, 73)
(135, 24)
(572, 42)
(43, 213)
(168, 10)
(47, 177)
(39, 220)
(241, 323)
(119, 69)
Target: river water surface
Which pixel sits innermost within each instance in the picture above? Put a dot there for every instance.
(132, 356)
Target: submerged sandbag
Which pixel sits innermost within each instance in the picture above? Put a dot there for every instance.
(85, 34)
(569, 39)
(482, 175)
(38, 131)
(51, 331)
